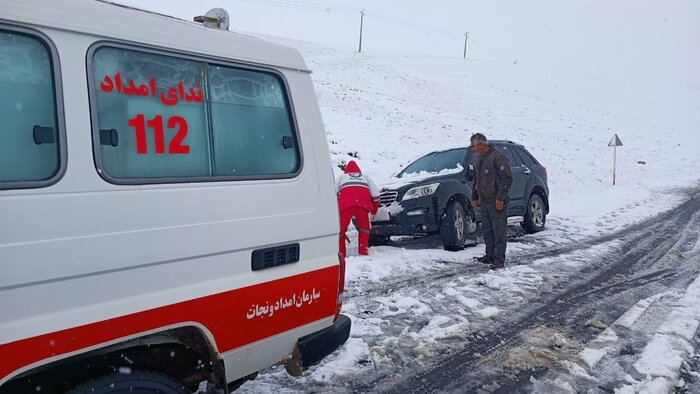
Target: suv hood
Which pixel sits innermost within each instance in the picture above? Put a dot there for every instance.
(402, 187)
(407, 181)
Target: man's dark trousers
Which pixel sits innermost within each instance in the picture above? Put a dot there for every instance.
(494, 226)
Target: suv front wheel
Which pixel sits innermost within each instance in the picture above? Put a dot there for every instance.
(535, 216)
(454, 227)
(377, 240)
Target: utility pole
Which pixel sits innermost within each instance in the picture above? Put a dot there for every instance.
(466, 37)
(362, 19)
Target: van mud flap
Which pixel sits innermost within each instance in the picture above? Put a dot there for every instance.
(314, 347)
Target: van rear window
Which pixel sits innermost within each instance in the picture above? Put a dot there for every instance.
(161, 118)
(29, 139)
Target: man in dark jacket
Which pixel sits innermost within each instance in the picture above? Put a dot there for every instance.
(492, 179)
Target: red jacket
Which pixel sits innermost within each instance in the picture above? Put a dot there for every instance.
(356, 189)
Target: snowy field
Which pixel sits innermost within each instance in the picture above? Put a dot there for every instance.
(389, 108)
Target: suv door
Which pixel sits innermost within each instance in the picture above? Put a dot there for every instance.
(520, 180)
(532, 167)
(468, 173)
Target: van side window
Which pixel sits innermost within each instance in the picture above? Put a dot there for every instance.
(29, 139)
(167, 119)
(252, 129)
(151, 119)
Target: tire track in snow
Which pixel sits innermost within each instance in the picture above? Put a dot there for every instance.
(448, 270)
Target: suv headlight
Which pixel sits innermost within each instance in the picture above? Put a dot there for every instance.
(420, 191)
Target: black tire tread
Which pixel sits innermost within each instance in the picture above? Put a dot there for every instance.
(527, 224)
(156, 381)
(448, 234)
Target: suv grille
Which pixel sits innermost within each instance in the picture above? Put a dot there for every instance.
(386, 198)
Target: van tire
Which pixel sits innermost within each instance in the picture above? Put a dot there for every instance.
(142, 382)
(535, 215)
(453, 229)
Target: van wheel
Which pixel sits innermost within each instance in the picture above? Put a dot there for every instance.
(136, 382)
(535, 216)
(378, 240)
(453, 229)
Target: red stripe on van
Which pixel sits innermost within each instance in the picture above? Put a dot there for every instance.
(232, 317)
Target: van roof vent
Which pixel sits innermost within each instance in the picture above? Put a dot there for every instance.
(216, 18)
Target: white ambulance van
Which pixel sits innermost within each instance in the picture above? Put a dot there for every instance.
(168, 220)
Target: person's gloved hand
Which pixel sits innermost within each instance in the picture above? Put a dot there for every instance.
(475, 203)
(499, 205)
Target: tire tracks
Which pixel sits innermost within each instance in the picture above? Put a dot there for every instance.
(449, 270)
(647, 261)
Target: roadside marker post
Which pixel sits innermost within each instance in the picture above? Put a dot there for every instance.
(615, 142)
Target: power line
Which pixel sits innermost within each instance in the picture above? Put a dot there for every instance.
(304, 7)
(487, 49)
(309, 6)
(413, 24)
(318, 7)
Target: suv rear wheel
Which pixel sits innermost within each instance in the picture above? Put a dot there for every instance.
(453, 229)
(535, 216)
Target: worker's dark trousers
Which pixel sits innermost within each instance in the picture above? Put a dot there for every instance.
(494, 226)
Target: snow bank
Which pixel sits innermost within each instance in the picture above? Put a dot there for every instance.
(673, 343)
(386, 261)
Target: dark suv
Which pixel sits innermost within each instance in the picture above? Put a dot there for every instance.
(431, 195)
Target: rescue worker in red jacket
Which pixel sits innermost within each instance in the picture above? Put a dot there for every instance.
(358, 196)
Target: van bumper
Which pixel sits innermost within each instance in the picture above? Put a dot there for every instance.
(314, 347)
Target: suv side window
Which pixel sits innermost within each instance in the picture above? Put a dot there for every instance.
(161, 118)
(30, 148)
(527, 159)
(508, 150)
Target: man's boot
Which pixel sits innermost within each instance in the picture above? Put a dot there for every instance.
(485, 259)
(497, 264)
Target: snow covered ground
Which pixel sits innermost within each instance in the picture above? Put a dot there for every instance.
(388, 108)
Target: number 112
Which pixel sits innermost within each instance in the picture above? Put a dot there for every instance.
(176, 146)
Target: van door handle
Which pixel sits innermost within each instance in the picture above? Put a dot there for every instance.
(109, 137)
(43, 135)
(527, 171)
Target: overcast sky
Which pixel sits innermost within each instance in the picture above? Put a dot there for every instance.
(649, 39)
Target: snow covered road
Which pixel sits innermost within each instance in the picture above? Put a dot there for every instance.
(540, 325)
(656, 257)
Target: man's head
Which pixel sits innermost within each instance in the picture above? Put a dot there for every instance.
(478, 143)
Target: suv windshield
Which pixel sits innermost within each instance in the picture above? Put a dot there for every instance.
(437, 161)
